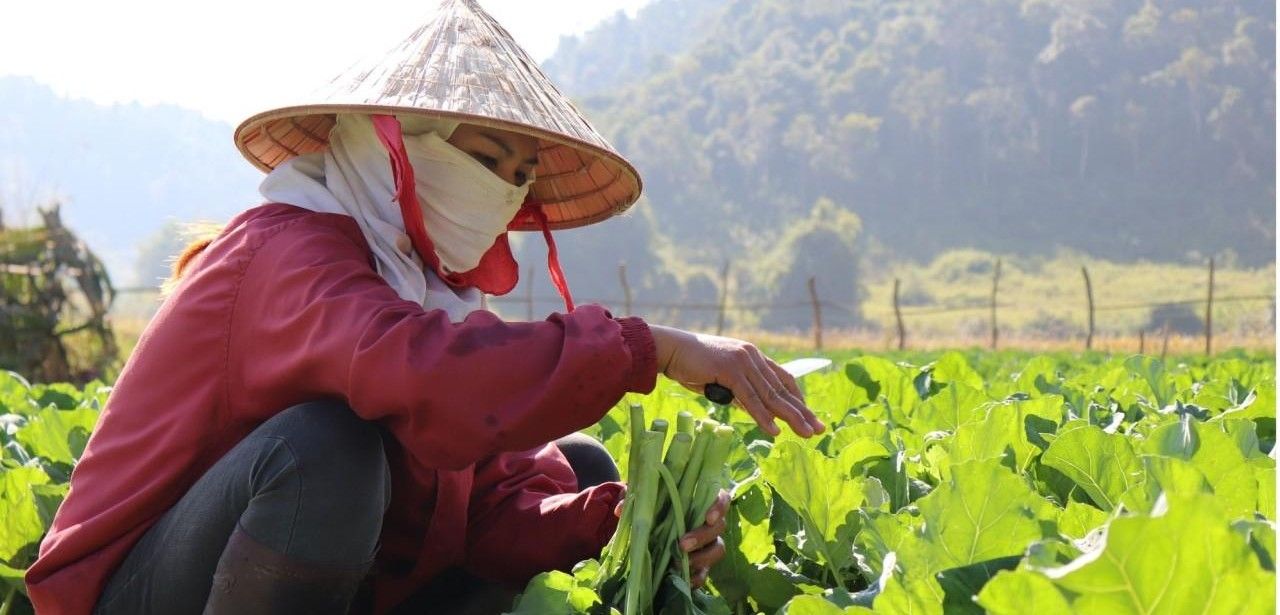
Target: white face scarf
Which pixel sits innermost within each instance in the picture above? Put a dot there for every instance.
(465, 205)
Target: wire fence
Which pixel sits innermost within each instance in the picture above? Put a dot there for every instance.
(900, 315)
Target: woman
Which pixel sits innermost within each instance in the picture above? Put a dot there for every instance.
(319, 419)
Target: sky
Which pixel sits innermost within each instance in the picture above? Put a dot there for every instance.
(232, 58)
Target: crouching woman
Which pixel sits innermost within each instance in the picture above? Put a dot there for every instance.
(321, 419)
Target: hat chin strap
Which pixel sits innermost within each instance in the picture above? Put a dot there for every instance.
(389, 133)
(534, 208)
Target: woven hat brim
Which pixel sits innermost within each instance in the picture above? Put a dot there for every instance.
(577, 182)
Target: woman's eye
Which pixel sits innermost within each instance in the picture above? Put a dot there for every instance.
(488, 161)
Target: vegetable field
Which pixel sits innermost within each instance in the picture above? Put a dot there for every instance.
(945, 483)
(995, 483)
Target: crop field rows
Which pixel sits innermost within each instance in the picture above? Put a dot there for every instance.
(945, 483)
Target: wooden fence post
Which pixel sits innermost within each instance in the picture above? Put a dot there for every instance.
(528, 295)
(1142, 341)
(724, 298)
(1088, 291)
(897, 314)
(995, 289)
(1208, 315)
(626, 288)
(1164, 346)
(817, 313)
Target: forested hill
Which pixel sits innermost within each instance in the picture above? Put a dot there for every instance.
(1123, 128)
(622, 50)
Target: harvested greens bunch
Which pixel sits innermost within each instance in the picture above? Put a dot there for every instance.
(669, 492)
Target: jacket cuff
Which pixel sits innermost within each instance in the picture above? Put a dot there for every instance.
(643, 375)
(610, 494)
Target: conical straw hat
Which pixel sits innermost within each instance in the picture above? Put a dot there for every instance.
(462, 65)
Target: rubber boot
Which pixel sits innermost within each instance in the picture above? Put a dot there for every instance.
(252, 578)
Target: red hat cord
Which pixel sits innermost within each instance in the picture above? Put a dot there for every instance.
(497, 272)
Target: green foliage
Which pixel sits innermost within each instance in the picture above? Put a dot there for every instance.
(1186, 560)
(826, 498)
(963, 482)
(1103, 464)
(947, 483)
(43, 431)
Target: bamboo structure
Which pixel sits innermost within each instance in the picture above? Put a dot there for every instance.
(54, 297)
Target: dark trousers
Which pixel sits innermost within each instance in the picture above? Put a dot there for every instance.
(311, 483)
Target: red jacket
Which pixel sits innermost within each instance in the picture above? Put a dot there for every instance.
(285, 307)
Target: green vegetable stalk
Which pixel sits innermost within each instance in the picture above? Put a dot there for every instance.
(667, 494)
(646, 488)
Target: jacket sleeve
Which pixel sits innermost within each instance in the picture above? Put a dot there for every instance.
(526, 517)
(313, 319)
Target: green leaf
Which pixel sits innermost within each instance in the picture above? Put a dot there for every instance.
(835, 395)
(1038, 377)
(1078, 519)
(952, 368)
(1172, 476)
(15, 394)
(985, 512)
(1266, 491)
(1010, 593)
(953, 406)
(894, 538)
(22, 524)
(910, 597)
(1186, 561)
(1216, 455)
(814, 605)
(48, 497)
(58, 435)
(859, 442)
(886, 381)
(1010, 430)
(60, 395)
(1153, 372)
(961, 585)
(1102, 464)
(1262, 538)
(819, 490)
(13, 578)
(555, 593)
(747, 567)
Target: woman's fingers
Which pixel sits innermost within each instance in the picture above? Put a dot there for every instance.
(704, 544)
(701, 561)
(761, 388)
(745, 395)
(777, 398)
(797, 399)
(702, 536)
(788, 381)
(720, 508)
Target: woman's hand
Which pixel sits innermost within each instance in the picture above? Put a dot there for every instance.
(760, 386)
(703, 544)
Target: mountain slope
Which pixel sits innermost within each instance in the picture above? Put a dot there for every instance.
(1121, 128)
(123, 169)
